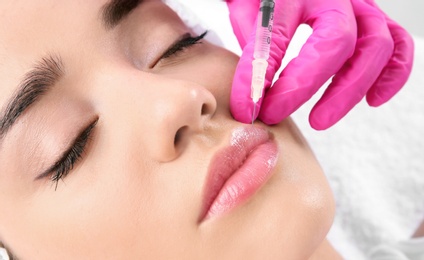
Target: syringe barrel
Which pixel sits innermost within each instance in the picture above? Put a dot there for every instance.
(264, 30)
(258, 78)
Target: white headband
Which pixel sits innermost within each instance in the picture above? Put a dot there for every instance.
(3, 254)
(193, 21)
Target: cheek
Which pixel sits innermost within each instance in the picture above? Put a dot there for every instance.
(297, 211)
(217, 70)
(78, 222)
(211, 67)
(122, 197)
(217, 79)
(315, 207)
(92, 211)
(304, 190)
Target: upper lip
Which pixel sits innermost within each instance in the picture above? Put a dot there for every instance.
(227, 160)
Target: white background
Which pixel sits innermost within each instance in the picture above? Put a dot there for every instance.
(409, 13)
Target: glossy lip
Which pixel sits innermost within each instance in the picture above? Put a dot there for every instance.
(239, 170)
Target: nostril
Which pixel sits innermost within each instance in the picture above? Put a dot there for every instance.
(179, 135)
(206, 109)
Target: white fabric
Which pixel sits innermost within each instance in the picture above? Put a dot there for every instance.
(3, 254)
(193, 21)
(374, 162)
(373, 158)
(412, 249)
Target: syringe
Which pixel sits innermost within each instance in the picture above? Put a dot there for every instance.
(261, 51)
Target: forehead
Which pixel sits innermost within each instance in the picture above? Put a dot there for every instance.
(28, 25)
(29, 29)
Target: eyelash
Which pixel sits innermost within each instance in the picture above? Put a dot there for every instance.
(61, 168)
(184, 43)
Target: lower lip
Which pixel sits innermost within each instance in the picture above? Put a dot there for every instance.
(247, 180)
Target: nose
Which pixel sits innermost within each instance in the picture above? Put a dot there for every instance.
(178, 114)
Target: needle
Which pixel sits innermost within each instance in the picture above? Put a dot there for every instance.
(253, 115)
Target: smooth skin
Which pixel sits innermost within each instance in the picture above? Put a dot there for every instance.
(137, 192)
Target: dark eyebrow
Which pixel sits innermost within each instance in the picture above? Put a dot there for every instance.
(116, 10)
(35, 83)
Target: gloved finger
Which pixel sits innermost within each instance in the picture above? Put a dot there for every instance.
(324, 53)
(242, 18)
(285, 25)
(374, 48)
(398, 69)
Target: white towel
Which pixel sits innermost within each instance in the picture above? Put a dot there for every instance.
(374, 160)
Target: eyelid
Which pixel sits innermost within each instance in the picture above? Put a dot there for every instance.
(183, 42)
(83, 137)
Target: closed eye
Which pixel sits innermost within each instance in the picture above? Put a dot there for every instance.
(66, 163)
(184, 42)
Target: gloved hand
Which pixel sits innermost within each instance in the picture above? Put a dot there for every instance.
(367, 52)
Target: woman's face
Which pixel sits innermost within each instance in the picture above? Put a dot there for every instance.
(151, 142)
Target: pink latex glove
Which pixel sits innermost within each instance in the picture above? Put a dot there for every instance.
(369, 54)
